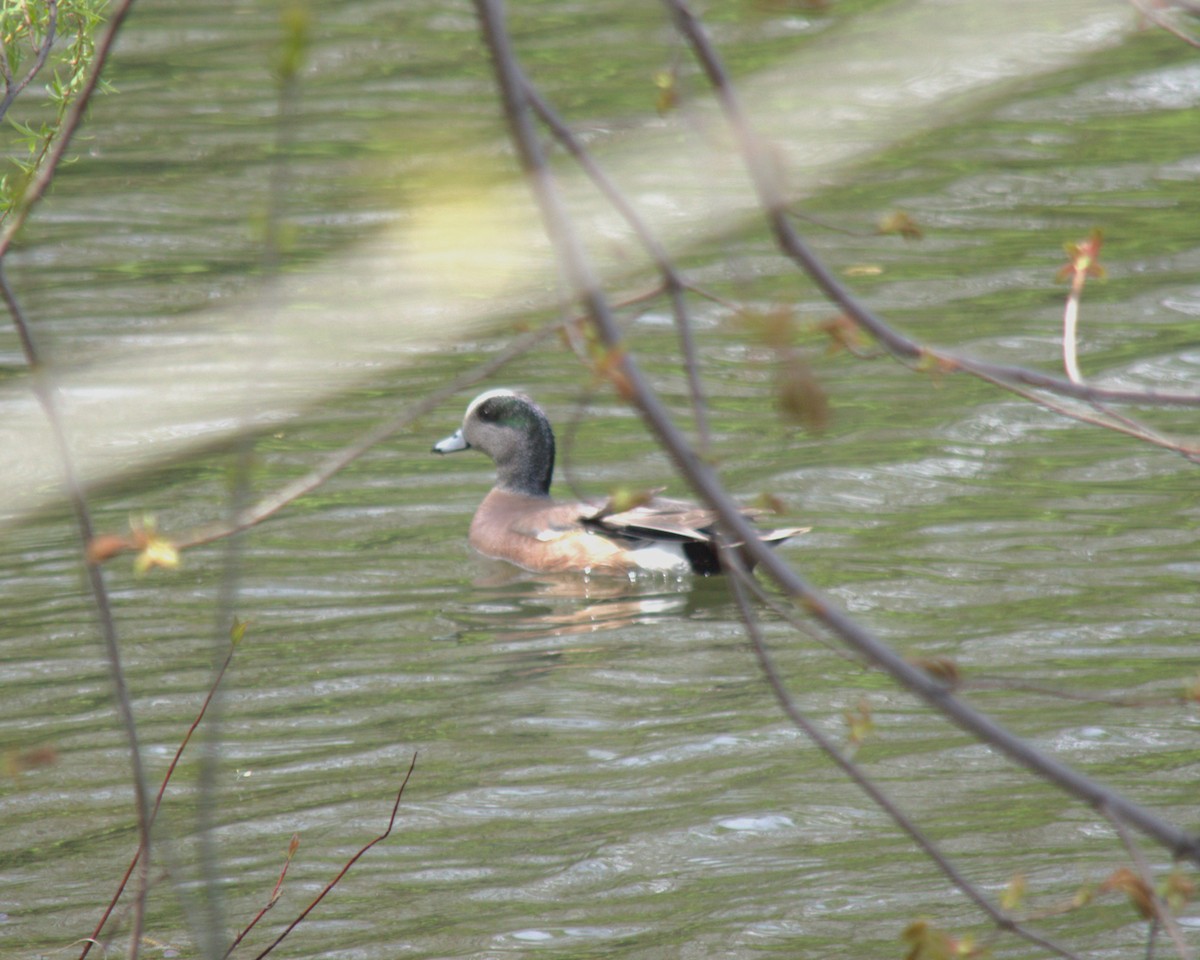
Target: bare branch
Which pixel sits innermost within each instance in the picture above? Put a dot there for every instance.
(704, 482)
(293, 846)
(631, 383)
(1151, 10)
(1161, 913)
(673, 282)
(765, 177)
(89, 942)
(1101, 417)
(349, 863)
(45, 394)
(46, 397)
(731, 561)
(272, 504)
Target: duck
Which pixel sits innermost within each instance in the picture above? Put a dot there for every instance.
(520, 523)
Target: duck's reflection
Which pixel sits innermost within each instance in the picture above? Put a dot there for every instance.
(518, 605)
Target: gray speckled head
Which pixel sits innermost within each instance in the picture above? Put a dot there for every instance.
(512, 430)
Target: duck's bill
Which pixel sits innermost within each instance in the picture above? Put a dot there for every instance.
(452, 444)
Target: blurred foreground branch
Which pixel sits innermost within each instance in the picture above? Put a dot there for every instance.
(628, 379)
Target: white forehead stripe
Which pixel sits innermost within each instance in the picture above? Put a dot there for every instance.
(498, 392)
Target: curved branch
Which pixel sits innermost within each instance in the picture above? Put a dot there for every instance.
(770, 196)
(700, 475)
(42, 52)
(47, 398)
(45, 174)
(633, 385)
(737, 587)
(1163, 22)
(673, 282)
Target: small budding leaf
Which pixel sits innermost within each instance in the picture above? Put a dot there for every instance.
(940, 668)
(627, 498)
(897, 221)
(927, 942)
(860, 723)
(238, 630)
(930, 943)
(771, 502)
(296, 21)
(667, 83)
(610, 364)
(158, 552)
(844, 334)
(1178, 889)
(1123, 880)
(813, 606)
(936, 366)
(1083, 259)
(1014, 894)
(105, 546)
(774, 326)
(801, 396)
(34, 758)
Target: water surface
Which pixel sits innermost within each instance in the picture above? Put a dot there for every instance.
(601, 769)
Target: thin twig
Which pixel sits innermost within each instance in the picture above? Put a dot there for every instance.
(1163, 22)
(704, 482)
(632, 384)
(985, 682)
(46, 396)
(271, 504)
(673, 281)
(279, 186)
(1103, 417)
(732, 562)
(277, 500)
(41, 53)
(158, 799)
(764, 176)
(45, 174)
(1161, 914)
(349, 863)
(293, 846)
(1084, 263)
(788, 613)
(1070, 330)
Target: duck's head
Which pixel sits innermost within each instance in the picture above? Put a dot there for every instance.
(511, 429)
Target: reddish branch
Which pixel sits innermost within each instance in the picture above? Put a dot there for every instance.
(1158, 12)
(349, 863)
(293, 846)
(158, 800)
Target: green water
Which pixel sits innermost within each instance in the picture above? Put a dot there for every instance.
(601, 768)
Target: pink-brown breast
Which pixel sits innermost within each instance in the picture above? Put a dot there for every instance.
(543, 536)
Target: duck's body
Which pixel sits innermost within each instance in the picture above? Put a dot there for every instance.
(521, 523)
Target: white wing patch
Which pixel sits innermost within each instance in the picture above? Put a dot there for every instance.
(660, 558)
